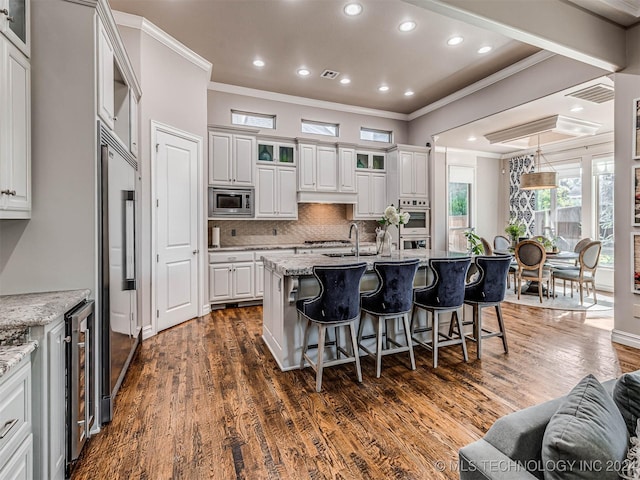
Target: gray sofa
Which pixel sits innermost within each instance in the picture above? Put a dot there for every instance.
(511, 448)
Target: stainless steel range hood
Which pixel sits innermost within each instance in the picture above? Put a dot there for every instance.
(327, 197)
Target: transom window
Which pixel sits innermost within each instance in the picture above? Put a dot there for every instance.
(253, 119)
(320, 128)
(374, 135)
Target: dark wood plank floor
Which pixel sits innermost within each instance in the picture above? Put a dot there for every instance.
(206, 400)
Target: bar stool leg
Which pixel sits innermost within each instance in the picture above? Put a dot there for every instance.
(379, 328)
(502, 330)
(434, 337)
(305, 343)
(319, 366)
(356, 354)
(477, 327)
(464, 344)
(336, 334)
(407, 336)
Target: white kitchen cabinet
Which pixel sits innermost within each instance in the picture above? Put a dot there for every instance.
(408, 173)
(276, 192)
(259, 270)
(276, 152)
(370, 160)
(318, 168)
(15, 23)
(231, 159)
(133, 125)
(16, 458)
(15, 132)
(106, 107)
(347, 170)
(231, 276)
(372, 194)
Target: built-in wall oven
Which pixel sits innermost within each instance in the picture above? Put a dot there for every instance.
(80, 338)
(418, 224)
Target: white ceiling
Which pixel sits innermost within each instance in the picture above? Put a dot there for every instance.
(369, 49)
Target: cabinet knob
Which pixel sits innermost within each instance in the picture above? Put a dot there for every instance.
(195, 252)
(8, 192)
(115, 119)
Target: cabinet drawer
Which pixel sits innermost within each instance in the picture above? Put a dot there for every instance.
(230, 257)
(15, 411)
(20, 465)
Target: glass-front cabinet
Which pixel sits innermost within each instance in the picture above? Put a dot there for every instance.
(370, 160)
(276, 152)
(15, 24)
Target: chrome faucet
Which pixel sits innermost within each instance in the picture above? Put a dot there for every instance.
(351, 227)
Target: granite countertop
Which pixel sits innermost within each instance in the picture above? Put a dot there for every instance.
(286, 246)
(298, 265)
(32, 309)
(10, 356)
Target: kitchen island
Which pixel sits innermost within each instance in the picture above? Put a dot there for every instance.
(288, 278)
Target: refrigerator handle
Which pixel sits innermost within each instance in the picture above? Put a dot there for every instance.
(129, 229)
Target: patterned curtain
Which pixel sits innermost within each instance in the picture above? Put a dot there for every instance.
(522, 203)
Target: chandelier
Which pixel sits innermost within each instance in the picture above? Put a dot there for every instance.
(538, 180)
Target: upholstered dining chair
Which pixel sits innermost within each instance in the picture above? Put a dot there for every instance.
(501, 243)
(393, 299)
(445, 294)
(337, 305)
(584, 274)
(531, 257)
(487, 291)
(486, 246)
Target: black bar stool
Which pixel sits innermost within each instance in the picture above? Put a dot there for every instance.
(337, 305)
(392, 300)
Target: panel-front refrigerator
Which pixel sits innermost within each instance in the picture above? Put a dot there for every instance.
(120, 327)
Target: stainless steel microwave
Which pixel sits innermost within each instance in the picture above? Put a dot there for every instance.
(231, 202)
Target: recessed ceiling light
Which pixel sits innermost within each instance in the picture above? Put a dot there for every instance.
(303, 72)
(471, 139)
(407, 26)
(485, 49)
(353, 9)
(577, 108)
(345, 81)
(383, 88)
(258, 63)
(455, 41)
(408, 93)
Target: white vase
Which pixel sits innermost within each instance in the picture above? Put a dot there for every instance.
(383, 242)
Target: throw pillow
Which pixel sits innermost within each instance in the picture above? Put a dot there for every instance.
(631, 466)
(587, 437)
(626, 394)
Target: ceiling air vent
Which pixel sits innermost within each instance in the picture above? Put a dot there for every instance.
(330, 74)
(599, 93)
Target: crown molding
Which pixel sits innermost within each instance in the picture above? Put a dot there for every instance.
(144, 25)
(578, 144)
(507, 72)
(308, 102)
(477, 153)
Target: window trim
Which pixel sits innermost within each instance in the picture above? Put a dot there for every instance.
(304, 122)
(273, 117)
(376, 130)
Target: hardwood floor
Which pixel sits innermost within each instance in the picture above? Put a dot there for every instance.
(205, 400)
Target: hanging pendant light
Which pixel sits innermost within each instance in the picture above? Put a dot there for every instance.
(539, 180)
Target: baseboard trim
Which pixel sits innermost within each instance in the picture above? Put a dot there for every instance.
(206, 310)
(147, 332)
(625, 338)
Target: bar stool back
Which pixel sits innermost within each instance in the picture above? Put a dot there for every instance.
(337, 305)
(445, 294)
(393, 299)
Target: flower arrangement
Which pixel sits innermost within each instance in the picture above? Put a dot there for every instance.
(515, 229)
(391, 216)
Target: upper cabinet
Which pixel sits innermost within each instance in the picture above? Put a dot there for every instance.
(370, 160)
(15, 130)
(231, 159)
(117, 100)
(408, 172)
(15, 23)
(347, 169)
(276, 152)
(318, 168)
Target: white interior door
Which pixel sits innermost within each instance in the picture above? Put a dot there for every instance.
(177, 232)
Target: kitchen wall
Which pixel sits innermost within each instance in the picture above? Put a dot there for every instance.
(316, 221)
(289, 115)
(175, 94)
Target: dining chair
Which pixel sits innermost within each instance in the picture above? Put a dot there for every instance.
(444, 295)
(487, 291)
(337, 305)
(531, 257)
(486, 246)
(501, 243)
(584, 274)
(393, 299)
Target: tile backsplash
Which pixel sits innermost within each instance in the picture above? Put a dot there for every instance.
(316, 221)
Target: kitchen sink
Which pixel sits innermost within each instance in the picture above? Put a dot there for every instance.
(350, 254)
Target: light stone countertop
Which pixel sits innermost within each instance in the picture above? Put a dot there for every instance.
(286, 246)
(10, 356)
(299, 265)
(32, 309)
